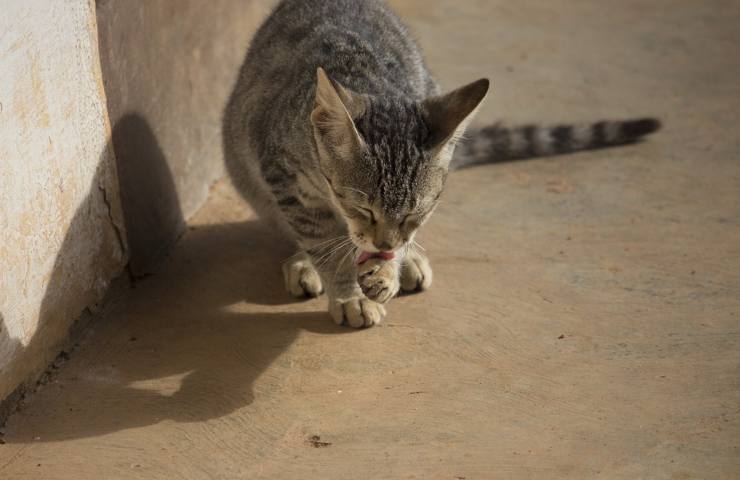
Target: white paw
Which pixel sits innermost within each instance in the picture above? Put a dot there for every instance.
(378, 279)
(416, 273)
(301, 278)
(356, 312)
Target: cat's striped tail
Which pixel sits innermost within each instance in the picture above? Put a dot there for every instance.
(498, 143)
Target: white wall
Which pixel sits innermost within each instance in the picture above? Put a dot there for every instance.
(59, 244)
(64, 233)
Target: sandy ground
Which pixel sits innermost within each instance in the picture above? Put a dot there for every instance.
(584, 321)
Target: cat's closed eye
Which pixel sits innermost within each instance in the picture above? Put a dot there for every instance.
(367, 213)
(411, 221)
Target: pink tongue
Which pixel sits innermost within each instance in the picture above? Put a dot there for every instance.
(365, 256)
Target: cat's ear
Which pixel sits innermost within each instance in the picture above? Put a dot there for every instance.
(331, 118)
(447, 116)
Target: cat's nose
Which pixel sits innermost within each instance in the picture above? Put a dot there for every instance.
(383, 246)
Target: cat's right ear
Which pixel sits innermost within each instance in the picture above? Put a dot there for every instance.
(331, 119)
(448, 115)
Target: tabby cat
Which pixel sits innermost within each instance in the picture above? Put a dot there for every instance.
(337, 132)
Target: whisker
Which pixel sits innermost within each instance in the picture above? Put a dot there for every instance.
(319, 247)
(417, 244)
(329, 248)
(355, 190)
(331, 240)
(327, 256)
(352, 249)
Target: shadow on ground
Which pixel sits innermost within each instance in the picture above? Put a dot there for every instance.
(187, 347)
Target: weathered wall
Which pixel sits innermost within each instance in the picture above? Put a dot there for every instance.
(168, 68)
(59, 243)
(110, 116)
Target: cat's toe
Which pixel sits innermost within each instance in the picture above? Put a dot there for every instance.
(416, 274)
(356, 312)
(380, 290)
(302, 279)
(378, 280)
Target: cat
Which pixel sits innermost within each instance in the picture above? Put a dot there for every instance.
(338, 134)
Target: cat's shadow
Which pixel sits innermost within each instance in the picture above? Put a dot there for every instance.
(188, 344)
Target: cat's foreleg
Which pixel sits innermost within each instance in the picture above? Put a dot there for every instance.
(379, 278)
(416, 272)
(301, 277)
(347, 303)
(330, 252)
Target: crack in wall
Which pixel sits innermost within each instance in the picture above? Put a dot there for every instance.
(118, 230)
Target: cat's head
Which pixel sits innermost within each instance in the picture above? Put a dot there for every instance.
(385, 160)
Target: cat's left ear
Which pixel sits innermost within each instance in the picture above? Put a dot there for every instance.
(447, 116)
(332, 116)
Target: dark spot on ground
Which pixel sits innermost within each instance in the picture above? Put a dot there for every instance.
(315, 442)
(562, 336)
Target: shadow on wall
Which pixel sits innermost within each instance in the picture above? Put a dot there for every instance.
(182, 326)
(151, 210)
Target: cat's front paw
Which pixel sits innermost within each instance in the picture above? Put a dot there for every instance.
(356, 312)
(301, 278)
(416, 273)
(378, 279)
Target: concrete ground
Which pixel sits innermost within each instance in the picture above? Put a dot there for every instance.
(584, 321)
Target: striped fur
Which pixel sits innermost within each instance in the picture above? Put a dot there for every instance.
(498, 143)
(337, 133)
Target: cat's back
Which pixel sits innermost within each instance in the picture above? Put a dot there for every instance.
(267, 137)
(360, 43)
